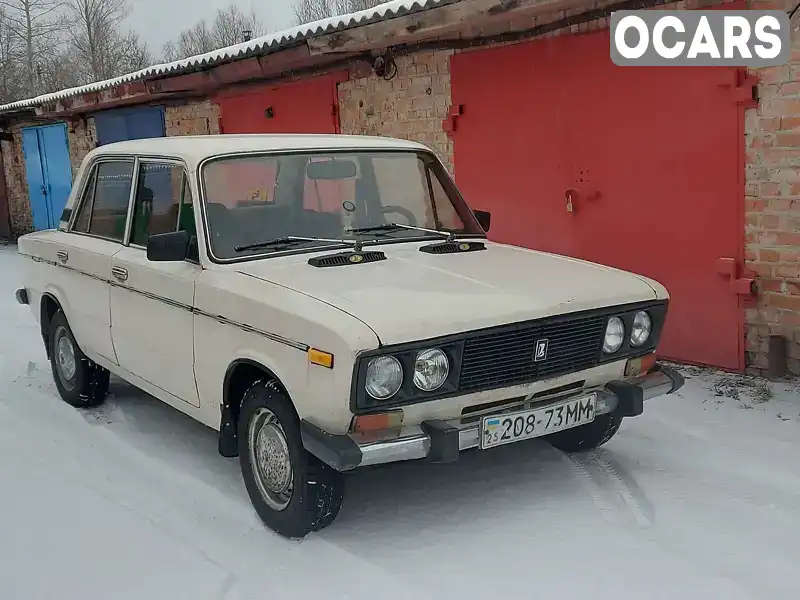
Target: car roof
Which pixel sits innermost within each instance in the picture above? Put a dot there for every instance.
(194, 149)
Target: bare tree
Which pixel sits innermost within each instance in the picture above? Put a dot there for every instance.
(12, 55)
(59, 70)
(227, 28)
(34, 23)
(103, 50)
(308, 11)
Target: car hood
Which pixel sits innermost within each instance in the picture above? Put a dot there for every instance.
(414, 295)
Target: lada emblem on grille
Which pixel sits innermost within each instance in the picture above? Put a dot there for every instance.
(540, 351)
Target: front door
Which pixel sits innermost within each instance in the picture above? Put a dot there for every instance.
(637, 168)
(48, 172)
(152, 322)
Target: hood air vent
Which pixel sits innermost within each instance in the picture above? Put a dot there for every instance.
(453, 247)
(346, 258)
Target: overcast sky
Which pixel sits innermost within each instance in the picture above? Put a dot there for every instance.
(158, 21)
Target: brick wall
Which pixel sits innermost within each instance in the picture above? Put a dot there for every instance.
(19, 208)
(82, 137)
(193, 118)
(411, 105)
(772, 210)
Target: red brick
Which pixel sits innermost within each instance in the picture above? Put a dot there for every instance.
(769, 124)
(789, 89)
(790, 140)
(770, 285)
(761, 269)
(769, 221)
(767, 255)
(779, 204)
(791, 271)
(750, 254)
(779, 107)
(783, 301)
(755, 204)
(791, 256)
(788, 123)
(792, 288)
(788, 239)
(781, 156)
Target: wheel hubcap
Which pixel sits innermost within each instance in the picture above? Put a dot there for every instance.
(270, 459)
(65, 357)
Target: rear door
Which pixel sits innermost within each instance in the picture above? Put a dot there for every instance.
(95, 235)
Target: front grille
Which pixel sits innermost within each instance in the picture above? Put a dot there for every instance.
(504, 358)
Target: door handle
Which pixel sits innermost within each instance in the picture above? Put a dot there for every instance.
(119, 273)
(62, 256)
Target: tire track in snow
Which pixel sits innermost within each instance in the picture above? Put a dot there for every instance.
(615, 493)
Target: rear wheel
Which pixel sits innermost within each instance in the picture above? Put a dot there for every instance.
(586, 437)
(80, 382)
(292, 491)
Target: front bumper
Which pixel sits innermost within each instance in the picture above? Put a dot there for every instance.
(441, 441)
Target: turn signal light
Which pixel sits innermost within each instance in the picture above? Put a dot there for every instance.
(640, 366)
(318, 357)
(378, 421)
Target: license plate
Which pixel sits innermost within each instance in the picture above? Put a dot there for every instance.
(514, 427)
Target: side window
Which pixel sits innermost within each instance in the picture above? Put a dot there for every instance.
(159, 192)
(81, 223)
(112, 190)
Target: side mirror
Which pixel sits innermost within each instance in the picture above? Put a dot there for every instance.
(484, 218)
(172, 246)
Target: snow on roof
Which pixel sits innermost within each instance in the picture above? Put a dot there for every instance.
(270, 42)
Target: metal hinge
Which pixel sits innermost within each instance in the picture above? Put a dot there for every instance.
(449, 124)
(745, 89)
(742, 281)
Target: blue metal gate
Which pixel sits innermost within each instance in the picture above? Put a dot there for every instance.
(48, 172)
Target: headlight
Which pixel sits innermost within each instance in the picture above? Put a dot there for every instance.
(615, 335)
(384, 377)
(642, 326)
(431, 369)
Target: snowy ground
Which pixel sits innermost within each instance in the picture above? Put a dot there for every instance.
(697, 498)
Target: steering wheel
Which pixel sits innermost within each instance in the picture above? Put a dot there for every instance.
(412, 220)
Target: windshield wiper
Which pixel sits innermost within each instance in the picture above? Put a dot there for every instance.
(450, 235)
(292, 240)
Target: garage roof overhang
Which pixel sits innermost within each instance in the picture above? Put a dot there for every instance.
(432, 24)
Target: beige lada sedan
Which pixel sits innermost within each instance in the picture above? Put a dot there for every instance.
(327, 302)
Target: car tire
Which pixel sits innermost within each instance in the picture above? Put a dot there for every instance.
(293, 492)
(80, 382)
(587, 437)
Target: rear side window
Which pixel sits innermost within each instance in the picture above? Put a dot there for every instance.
(104, 206)
(163, 202)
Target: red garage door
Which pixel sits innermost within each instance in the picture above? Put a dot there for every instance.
(307, 106)
(650, 158)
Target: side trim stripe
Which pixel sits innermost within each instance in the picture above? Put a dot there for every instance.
(219, 318)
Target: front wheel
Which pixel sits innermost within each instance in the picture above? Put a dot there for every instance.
(586, 437)
(80, 382)
(293, 492)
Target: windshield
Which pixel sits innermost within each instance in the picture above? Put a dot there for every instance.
(253, 203)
